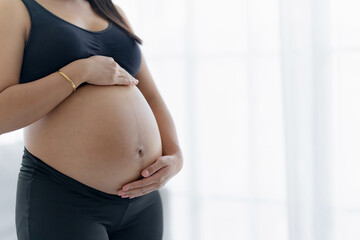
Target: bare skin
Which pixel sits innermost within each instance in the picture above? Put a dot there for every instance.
(106, 135)
(102, 136)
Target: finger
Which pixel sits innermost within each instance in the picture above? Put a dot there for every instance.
(161, 177)
(141, 191)
(131, 78)
(124, 76)
(126, 80)
(136, 81)
(156, 166)
(127, 76)
(137, 184)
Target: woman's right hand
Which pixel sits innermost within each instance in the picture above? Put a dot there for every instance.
(103, 70)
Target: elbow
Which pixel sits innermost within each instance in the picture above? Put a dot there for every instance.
(2, 130)
(180, 161)
(2, 120)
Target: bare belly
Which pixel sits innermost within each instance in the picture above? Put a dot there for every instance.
(102, 136)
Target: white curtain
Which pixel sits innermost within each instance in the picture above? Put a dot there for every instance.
(265, 98)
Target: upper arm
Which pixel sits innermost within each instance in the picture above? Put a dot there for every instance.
(146, 83)
(13, 17)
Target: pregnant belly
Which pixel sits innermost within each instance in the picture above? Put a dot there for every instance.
(102, 136)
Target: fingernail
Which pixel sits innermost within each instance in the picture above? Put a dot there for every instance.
(124, 196)
(125, 188)
(146, 173)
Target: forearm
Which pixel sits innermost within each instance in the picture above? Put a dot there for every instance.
(170, 142)
(23, 104)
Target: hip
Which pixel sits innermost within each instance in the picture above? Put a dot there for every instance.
(50, 203)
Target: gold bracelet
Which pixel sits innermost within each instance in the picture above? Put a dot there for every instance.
(67, 78)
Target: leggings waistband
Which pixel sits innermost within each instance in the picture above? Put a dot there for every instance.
(39, 169)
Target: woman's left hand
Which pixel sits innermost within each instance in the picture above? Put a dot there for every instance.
(155, 176)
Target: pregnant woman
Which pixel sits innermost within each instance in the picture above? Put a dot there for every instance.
(99, 139)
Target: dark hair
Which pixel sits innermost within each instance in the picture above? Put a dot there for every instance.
(106, 9)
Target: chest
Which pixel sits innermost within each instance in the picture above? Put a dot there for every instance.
(53, 44)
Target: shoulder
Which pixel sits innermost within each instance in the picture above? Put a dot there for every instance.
(123, 15)
(119, 9)
(14, 15)
(12, 8)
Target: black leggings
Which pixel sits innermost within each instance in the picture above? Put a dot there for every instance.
(53, 206)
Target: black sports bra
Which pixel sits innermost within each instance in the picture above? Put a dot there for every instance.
(54, 43)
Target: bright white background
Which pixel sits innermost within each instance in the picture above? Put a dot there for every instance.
(265, 98)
